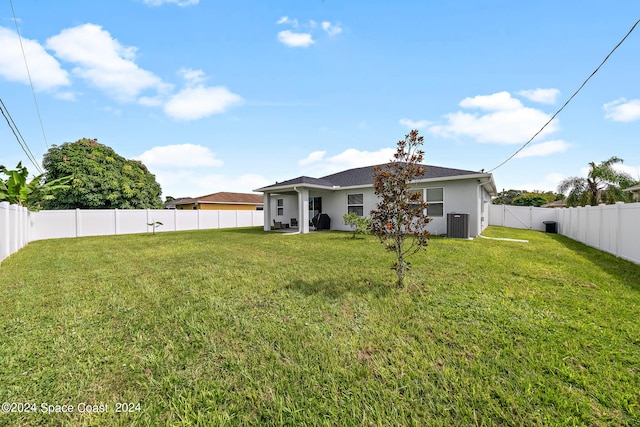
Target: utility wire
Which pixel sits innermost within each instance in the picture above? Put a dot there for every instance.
(571, 97)
(19, 137)
(35, 100)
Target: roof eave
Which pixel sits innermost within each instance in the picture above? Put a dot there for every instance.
(292, 187)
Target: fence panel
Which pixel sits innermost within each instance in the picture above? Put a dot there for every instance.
(131, 221)
(187, 220)
(527, 217)
(53, 224)
(608, 229)
(629, 235)
(209, 219)
(95, 222)
(14, 229)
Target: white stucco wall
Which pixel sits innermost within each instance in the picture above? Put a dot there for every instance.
(460, 196)
(290, 208)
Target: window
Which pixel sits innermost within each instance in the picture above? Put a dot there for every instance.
(280, 205)
(435, 202)
(355, 204)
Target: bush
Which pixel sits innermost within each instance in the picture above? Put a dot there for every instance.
(359, 224)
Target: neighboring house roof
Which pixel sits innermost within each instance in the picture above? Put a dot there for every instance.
(172, 203)
(226, 198)
(364, 176)
(633, 189)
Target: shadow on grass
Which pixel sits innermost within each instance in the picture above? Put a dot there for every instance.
(626, 271)
(334, 289)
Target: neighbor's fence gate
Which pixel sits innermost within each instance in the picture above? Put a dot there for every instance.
(610, 228)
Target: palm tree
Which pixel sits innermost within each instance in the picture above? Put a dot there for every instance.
(603, 184)
(17, 190)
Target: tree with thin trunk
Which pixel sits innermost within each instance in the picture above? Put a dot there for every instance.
(603, 184)
(400, 217)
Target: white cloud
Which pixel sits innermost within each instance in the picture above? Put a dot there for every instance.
(319, 165)
(292, 39)
(634, 171)
(314, 157)
(196, 102)
(179, 156)
(543, 149)
(184, 170)
(501, 101)
(46, 72)
(415, 124)
(506, 121)
(622, 110)
(193, 183)
(192, 77)
(181, 3)
(304, 38)
(548, 183)
(543, 96)
(104, 62)
(287, 20)
(331, 29)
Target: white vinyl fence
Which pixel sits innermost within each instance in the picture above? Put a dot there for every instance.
(610, 228)
(521, 216)
(18, 226)
(14, 228)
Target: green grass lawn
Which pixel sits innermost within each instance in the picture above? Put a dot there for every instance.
(243, 327)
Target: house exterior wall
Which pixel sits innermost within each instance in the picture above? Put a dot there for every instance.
(289, 208)
(334, 204)
(460, 196)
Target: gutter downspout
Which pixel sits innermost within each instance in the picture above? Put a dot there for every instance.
(300, 208)
(481, 199)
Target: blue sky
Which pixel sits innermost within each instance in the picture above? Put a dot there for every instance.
(231, 96)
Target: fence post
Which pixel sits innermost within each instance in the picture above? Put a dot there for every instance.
(115, 221)
(4, 222)
(77, 222)
(601, 226)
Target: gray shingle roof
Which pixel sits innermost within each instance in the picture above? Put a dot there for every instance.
(364, 176)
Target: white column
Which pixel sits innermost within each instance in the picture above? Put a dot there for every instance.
(303, 208)
(267, 212)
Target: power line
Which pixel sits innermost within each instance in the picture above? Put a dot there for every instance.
(33, 92)
(571, 97)
(18, 135)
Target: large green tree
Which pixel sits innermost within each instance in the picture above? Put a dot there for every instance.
(102, 179)
(18, 189)
(603, 184)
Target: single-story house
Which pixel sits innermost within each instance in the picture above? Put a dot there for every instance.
(445, 190)
(635, 190)
(223, 201)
